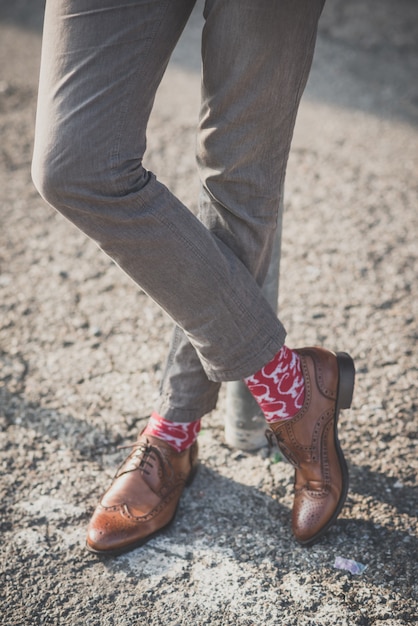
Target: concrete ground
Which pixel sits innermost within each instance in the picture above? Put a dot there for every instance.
(82, 349)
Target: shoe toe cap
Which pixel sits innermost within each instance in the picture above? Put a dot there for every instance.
(312, 513)
(109, 531)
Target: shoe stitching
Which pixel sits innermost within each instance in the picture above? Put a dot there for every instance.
(308, 390)
(155, 511)
(141, 460)
(123, 509)
(319, 374)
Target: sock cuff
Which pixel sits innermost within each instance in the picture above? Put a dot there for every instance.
(178, 435)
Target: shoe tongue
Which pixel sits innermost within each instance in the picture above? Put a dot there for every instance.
(154, 465)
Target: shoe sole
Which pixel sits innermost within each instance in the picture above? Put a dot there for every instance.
(143, 541)
(345, 389)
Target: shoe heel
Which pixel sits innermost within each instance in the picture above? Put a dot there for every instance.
(192, 475)
(346, 372)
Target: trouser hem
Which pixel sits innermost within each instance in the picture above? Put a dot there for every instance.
(181, 415)
(250, 366)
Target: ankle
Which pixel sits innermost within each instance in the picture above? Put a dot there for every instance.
(279, 387)
(178, 435)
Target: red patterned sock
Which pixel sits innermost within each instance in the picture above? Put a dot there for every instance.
(279, 387)
(178, 435)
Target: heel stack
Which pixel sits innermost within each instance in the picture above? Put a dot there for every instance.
(346, 373)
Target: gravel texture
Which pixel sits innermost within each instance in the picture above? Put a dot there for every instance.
(82, 349)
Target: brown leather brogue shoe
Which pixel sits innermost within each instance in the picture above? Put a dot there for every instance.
(310, 442)
(143, 497)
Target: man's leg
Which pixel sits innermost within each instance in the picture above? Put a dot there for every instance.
(101, 65)
(256, 61)
(91, 170)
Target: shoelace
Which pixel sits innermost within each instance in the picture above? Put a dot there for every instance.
(141, 458)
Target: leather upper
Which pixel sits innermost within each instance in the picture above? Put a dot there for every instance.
(309, 441)
(143, 496)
